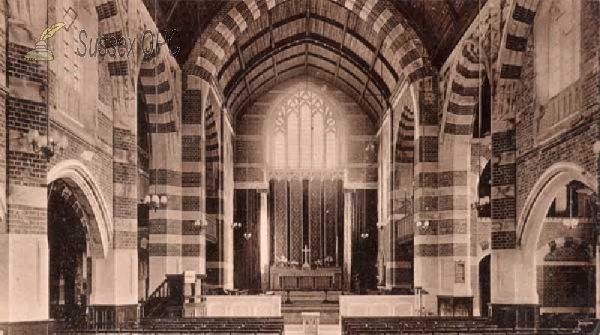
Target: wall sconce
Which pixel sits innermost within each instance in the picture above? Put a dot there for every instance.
(156, 201)
(46, 145)
(478, 204)
(236, 225)
(423, 225)
(200, 224)
(247, 236)
(364, 236)
(381, 225)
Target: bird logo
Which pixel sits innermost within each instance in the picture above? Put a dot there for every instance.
(41, 52)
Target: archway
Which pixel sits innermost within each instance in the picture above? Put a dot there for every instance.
(565, 258)
(79, 232)
(533, 218)
(69, 254)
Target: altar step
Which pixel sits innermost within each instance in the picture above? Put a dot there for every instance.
(323, 329)
(316, 296)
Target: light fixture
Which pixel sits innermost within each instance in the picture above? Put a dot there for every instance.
(236, 225)
(364, 236)
(247, 235)
(46, 145)
(423, 224)
(200, 223)
(156, 201)
(480, 202)
(571, 222)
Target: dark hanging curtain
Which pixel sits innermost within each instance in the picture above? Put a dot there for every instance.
(307, 212)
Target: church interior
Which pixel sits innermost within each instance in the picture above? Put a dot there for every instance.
(299, 166)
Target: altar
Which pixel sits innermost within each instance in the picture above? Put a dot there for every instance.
(306, 279)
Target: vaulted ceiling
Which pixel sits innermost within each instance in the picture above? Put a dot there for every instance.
(353, 47)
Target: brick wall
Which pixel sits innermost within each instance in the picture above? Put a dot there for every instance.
(574, 145)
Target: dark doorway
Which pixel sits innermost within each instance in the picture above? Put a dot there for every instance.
(69, 256)
(484, 285)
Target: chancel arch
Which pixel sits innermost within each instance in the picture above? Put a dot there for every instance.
(307, 149)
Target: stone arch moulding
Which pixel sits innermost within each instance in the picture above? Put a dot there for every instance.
(529, 225)
(79, 174)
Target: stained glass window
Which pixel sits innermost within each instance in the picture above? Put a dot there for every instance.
(306, 130)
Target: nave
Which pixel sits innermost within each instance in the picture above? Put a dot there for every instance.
(299, 166)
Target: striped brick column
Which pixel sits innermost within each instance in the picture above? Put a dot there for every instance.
(401, 209)
(215, 204)
(454, 224)
(509, 296)
(23, 199)
(166, 246)
(192, 155)
(426, 200)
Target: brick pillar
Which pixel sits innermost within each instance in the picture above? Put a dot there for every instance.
(23, 185)
(167, 244)
(348, 215)
(119, 270)
(427, 248)
(193, 172)
(513, 299)
(265, 248)
(401, 226)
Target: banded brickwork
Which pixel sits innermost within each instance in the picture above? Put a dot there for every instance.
(518, 28)
(398, 55)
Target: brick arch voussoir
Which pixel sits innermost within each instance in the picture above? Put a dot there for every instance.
(463, 91)
(158, 85)
(516, 33)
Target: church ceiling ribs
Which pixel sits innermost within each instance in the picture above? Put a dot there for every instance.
(307, 23)
(379, 17)
(372, 70)
(240, 57)
(318, 40)
(314, 16)
(272, 40)
(370, 108)
(339, 61)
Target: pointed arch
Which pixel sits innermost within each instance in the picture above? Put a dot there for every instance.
(77, 175)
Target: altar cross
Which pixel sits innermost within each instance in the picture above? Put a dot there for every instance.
(306, 255)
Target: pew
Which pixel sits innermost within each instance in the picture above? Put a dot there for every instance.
(258, 326)
(435, 325)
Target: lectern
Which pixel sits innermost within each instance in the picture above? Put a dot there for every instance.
(193, 295)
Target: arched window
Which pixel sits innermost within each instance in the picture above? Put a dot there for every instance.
(305, 135)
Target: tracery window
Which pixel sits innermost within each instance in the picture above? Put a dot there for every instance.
(305, 134)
